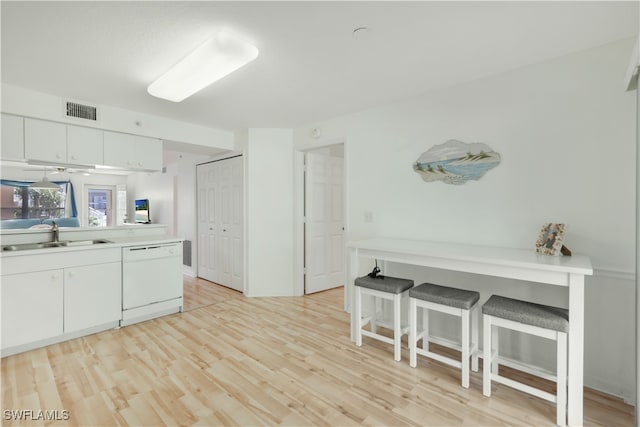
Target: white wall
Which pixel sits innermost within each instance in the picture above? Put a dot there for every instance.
(171, 197)
(566, 132)
(158, 187)
(269, 210)
(635, 82)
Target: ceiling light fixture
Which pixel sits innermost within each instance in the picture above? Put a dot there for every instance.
(211, 61)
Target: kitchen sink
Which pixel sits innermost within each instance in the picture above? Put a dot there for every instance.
(85, 242)
(45, 245)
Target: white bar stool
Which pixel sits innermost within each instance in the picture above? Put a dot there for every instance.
(456, 302)
(536, 319)
(383, 288)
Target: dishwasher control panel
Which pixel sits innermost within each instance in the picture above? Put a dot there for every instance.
(138, 253)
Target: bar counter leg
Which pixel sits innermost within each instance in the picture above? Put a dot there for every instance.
(350, 291)
(576, 350)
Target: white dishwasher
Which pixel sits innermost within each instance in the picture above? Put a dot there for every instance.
(151, 281)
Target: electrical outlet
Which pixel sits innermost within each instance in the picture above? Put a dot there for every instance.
(368, 216)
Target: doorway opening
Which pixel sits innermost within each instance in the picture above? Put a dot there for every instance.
(99, 209)
(323, 223)
(220, 221)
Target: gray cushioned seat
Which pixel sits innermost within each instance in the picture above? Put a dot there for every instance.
(529, 313)
(458, 298)
(392, 285)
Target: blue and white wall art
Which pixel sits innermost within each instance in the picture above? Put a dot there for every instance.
(456, 162)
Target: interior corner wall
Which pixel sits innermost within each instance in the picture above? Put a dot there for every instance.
(158, 188)
(565, 129)
(184, 170)
(172, 198)
(269, 211)
(637, 92)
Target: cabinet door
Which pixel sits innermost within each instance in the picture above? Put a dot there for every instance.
(92, 296)
(117, 149)
(31, 307)
(46, 141)
(84, 145)
(132, 152)
(12, 143)
(147, 153)
(207, 204)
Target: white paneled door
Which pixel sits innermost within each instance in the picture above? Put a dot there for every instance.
(220, 222)
(324, 226)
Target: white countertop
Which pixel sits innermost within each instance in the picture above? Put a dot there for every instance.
(145, 240)
(522, 258)
(115, 242)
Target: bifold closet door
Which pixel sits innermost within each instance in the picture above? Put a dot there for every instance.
(220, 222)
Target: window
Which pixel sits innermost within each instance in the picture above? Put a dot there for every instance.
(19, 201)
(105, 205)
(99, 207)
(121, 217)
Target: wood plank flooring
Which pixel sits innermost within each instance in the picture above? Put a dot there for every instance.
(200, 293)
(261, 361)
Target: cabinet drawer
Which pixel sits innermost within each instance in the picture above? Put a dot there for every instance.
(49, 259)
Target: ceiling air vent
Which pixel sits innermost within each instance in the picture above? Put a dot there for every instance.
(82, 111)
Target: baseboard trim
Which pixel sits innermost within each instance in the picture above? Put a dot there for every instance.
(615, 274)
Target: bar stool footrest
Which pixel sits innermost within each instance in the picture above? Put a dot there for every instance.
(524, 387)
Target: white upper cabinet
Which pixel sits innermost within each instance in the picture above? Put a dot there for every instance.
(63, 144)
(132, 152)
(12, 143)
(45, 141)
(84, 145)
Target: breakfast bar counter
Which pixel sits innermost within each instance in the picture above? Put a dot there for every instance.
(520, 264)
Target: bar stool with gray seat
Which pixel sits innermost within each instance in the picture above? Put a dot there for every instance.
(453, 301)
(536, 319)
(381, 288)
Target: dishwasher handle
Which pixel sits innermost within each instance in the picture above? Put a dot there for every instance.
(138, 253)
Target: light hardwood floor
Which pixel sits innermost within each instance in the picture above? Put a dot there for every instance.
(200, 293)
(261, 361)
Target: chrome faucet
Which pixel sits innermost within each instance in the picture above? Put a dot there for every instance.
(55, 232)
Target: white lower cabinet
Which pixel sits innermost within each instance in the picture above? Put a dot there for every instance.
(32, 307)
(72, 294)
(92, 296)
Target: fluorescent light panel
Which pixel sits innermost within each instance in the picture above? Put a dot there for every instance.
(214, 59)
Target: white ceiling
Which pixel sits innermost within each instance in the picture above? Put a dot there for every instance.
(309, 67)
